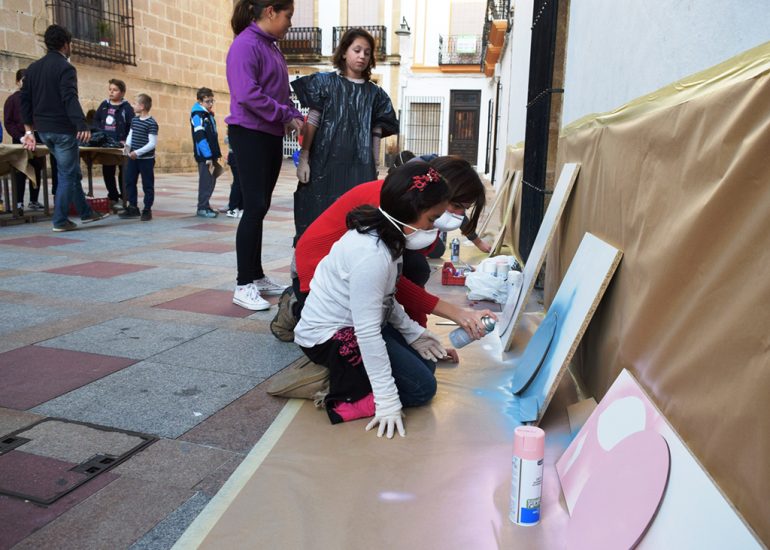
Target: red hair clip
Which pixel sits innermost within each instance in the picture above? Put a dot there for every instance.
(419, 182)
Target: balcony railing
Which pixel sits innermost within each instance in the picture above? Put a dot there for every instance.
(499, 9)
(302, 42)
(461, 49)
(378, 32)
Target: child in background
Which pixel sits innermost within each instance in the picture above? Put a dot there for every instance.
(205, 149)
(140, 148)
(114, 117)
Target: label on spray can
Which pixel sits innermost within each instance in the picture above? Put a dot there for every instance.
(527, 475)
(460, 338)
(455, 253)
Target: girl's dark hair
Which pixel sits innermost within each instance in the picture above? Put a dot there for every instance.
(246, 11)
(401, 202)
(345, 42)
(465, 187)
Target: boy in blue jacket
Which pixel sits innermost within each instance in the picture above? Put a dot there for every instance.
(205, 149)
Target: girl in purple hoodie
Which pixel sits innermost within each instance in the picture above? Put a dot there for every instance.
(260, 114)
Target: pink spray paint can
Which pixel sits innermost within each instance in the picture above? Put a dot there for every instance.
(527, 478)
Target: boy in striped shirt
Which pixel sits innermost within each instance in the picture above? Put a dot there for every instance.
(140, 148)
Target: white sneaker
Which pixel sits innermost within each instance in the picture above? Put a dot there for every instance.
(247, 296)
(34, 206)
(268, 287)
(240, 213)
(232, 213)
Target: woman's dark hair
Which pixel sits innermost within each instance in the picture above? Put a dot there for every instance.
(345, 42)
(246, 11)
(401, 202)
(56, 37)
(20, 74)
(465, 187)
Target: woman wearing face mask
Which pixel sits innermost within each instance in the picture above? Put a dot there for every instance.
(379, 360)
(349, 114)
(465, 190)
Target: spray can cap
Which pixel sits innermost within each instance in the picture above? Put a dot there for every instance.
(529, 442)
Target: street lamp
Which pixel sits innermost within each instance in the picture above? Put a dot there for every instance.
(403, 29)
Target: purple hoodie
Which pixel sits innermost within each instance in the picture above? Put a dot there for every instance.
(259, 83)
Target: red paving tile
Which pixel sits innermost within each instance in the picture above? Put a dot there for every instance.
(36, 476)
(20, 518)
(39, 242)
(212, 227)
(284, 269)
(99, 270)
(282, 208)
(165, 213)
(32, 375)
(212, 248)
(213, 302)
(279, 218)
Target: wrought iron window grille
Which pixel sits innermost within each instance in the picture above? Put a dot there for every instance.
(101, 29)
(462, 49)
(302, 42)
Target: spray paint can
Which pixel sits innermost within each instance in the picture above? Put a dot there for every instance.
(455, 254)
(460, 338)
(527, 478)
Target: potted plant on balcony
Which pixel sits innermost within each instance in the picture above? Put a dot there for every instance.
(104, 32)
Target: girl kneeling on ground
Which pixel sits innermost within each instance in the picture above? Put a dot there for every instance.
(379, 360)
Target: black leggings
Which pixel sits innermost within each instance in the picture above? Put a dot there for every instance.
(259, 157)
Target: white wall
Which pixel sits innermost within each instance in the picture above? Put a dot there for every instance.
(618, 51)
(431, 85)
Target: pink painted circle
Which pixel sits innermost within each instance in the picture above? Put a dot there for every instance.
(622, 495)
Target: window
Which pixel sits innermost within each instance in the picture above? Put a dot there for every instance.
(303, 13)
(422, 124)
(101, 29)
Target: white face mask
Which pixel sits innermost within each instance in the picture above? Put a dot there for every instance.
(448, 221)
(417, 240)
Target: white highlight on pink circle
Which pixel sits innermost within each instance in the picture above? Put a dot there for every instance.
(622, 418)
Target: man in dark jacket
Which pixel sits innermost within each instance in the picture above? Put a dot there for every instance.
(50, 106)
(114, 118)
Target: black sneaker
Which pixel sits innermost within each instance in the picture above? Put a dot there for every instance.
(129, 213)
(69, 225)
(94, 217)
(146, 215)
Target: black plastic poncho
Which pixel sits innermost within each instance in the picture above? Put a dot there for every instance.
(341, 156)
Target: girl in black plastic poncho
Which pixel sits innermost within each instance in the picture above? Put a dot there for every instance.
(348, 116)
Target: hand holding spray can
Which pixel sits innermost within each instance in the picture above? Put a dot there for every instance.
(460, 338)
(527, 478)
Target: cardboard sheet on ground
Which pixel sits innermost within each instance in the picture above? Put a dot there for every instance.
(517, 301)
(445, 485)
(538, 373)
(692, 514)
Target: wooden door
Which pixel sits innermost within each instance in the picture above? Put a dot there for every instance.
(464, 110)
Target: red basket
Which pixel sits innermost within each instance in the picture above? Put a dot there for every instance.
(448, 277)
(98, 205)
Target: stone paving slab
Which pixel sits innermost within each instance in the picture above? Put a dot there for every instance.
(15, 317)
(173, 462)
(241, 424)
(37, 241)
(99, 270)
(20, 518)
(227, 259)
(168, 531)
(128, 337)
(115, 517)
(74, 442)
(39, 477)
(16, 259)
(258, 356)
(152, 398)
(208, 247)
(11, 420)
(213, 483)
(209, 301)
(32, 375)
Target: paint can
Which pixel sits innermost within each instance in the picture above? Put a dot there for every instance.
(455, 254)
(527, 476)
(501, 269)
(460, 338)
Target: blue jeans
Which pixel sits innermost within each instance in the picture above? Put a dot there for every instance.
(64, 148)
(145, 167)
(414, 376)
